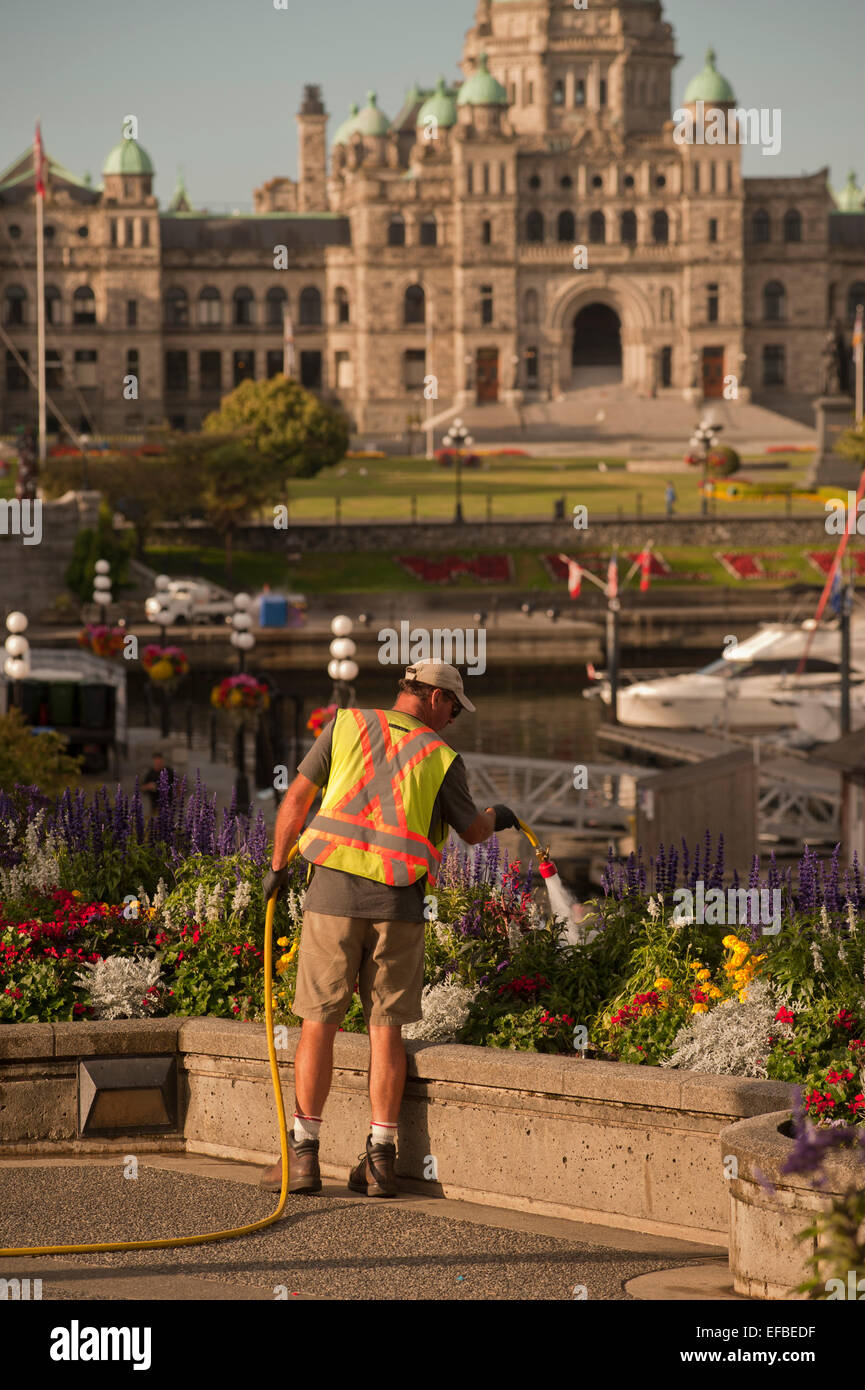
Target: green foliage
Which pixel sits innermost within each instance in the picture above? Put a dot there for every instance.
(99, 544)
(294, 433)
(107, 876)
(33, 759)
(821, 1039)
(37, 990)
(724, 461)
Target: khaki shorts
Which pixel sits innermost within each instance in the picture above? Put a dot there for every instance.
(385, 958)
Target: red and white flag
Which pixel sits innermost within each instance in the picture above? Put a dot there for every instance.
(575, 578)
(613, 578)
(39, 162)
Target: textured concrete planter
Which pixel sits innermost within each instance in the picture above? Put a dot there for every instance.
(602, 1142)
(766, 1260)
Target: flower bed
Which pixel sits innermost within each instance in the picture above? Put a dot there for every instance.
(488, 569)
(103, 916)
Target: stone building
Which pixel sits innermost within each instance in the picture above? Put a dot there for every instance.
(542, 224)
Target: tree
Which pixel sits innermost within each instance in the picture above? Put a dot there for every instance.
(229, 482)
(852, 443)
(33, 759)
(143, 488)
(293, 432)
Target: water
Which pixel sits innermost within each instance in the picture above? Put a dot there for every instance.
(565, 905)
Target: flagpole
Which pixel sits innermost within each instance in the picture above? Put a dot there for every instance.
(40, 297)
(859, 356)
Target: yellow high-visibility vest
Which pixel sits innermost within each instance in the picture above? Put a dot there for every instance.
(386, 769)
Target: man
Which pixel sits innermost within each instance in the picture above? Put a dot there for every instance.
(670, 495)
(151, 780)
(392, 787)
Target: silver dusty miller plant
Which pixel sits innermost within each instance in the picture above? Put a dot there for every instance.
(119, 986)
(445, 1009)
(733, 1037)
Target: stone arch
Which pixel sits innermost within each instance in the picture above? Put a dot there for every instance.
(636, 319)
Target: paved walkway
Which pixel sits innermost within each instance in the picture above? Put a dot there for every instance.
(336, 1245)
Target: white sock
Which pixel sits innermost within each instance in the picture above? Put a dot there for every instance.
(306, 1127)
(383, 1134)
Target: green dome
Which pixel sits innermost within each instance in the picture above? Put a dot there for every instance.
(371, 121)
(128, 158)
(346, 130)
(709, 85)
(440, 105)
(482, 89)
(851, 198)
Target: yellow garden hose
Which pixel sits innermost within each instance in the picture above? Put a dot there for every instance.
(529, 834)
(283, 1142)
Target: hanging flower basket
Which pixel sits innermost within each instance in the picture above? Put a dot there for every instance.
(101, 639)
(319, 718)
(240, 696)
(164, 665)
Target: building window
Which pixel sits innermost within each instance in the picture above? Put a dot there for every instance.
(310, 307)
(597, 181)
(176, 308)
(530, 306)
(132, 313)
(503, 178)
(580, 92)
(774, 302)
(535, 226)
(53, 304)
(666, 366)
(713, 229)
(210, 307)
(535, 181)
(177, 422)
(49, 233)
(559, 93)
(470, 178)
(629, 180)
(729, 176)
(414, 369)
(343, 308)
(712, 303)
(713, 178)
(414, 305)
(761, 227)
(14, 231)
(530, 94)
(793, 226)
(53, 370)
(429, 232)
(132, 361)
(129, 232)
(14, 306)
(486, 233)
(396, 231)
(244, 367)
(597, 227)
(16, 377)
(86, 363)
(602, 95)
(774, 366)
(696, 178)
(83, 305)
(274, 306)
(628, 227)
(566, 182)
(855, 297)
(112, 231)
(667, 305)
(274, 363)
(177, 371)
(566, 227)
(244, 305)
(486, 178)
(83, 232)
(660, 228)
(210, 371)
(486, 304)
(310, 370)
(531, 366)
(344, 373)
(145, 232)
(661, 181)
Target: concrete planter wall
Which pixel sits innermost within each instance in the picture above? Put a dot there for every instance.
(766, 1260)
(601, 1142)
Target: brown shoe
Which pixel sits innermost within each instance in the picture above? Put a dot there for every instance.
(373, 1174)
(303, 1170)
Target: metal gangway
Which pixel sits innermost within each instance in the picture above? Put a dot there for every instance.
(542, 792)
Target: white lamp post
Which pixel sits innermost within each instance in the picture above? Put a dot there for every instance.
(342, 668)
(242, 639)
(17, 663)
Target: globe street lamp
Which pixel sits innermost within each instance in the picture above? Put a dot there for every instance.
(102, 586)
(243, 641)
(17, 663)
(458, 438)
(342, 668)
(704, 438)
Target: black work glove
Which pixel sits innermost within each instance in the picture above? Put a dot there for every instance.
(505, 818)
(275, 883)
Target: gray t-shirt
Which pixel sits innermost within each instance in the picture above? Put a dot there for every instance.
(340, 894)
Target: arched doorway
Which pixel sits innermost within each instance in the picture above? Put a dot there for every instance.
(597, 343)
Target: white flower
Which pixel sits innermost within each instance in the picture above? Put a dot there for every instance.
(654, 909)
(816, 957)
(824, 919)
(160, 895)
(842, 954)
(38, 869)
(199, 906)
(515, 936)
(213, 909)
(852, 921)
(242, 896)
(445, 1009)
(119, 986)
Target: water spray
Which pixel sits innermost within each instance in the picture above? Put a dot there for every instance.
(563, 903)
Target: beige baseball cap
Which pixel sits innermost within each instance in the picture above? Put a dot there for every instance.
(441, 674)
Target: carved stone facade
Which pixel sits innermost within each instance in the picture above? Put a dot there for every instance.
(534, 228)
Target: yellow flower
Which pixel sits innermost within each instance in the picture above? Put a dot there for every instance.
(282, 941)
(700, 1009)
(743, 996)
(714, 992)
(704, 974)
(663, 983)
(76, 894)
(731, 941)
(235, 698)
(161, 671)
(696, 965)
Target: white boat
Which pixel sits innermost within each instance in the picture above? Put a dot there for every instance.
(754, 685)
